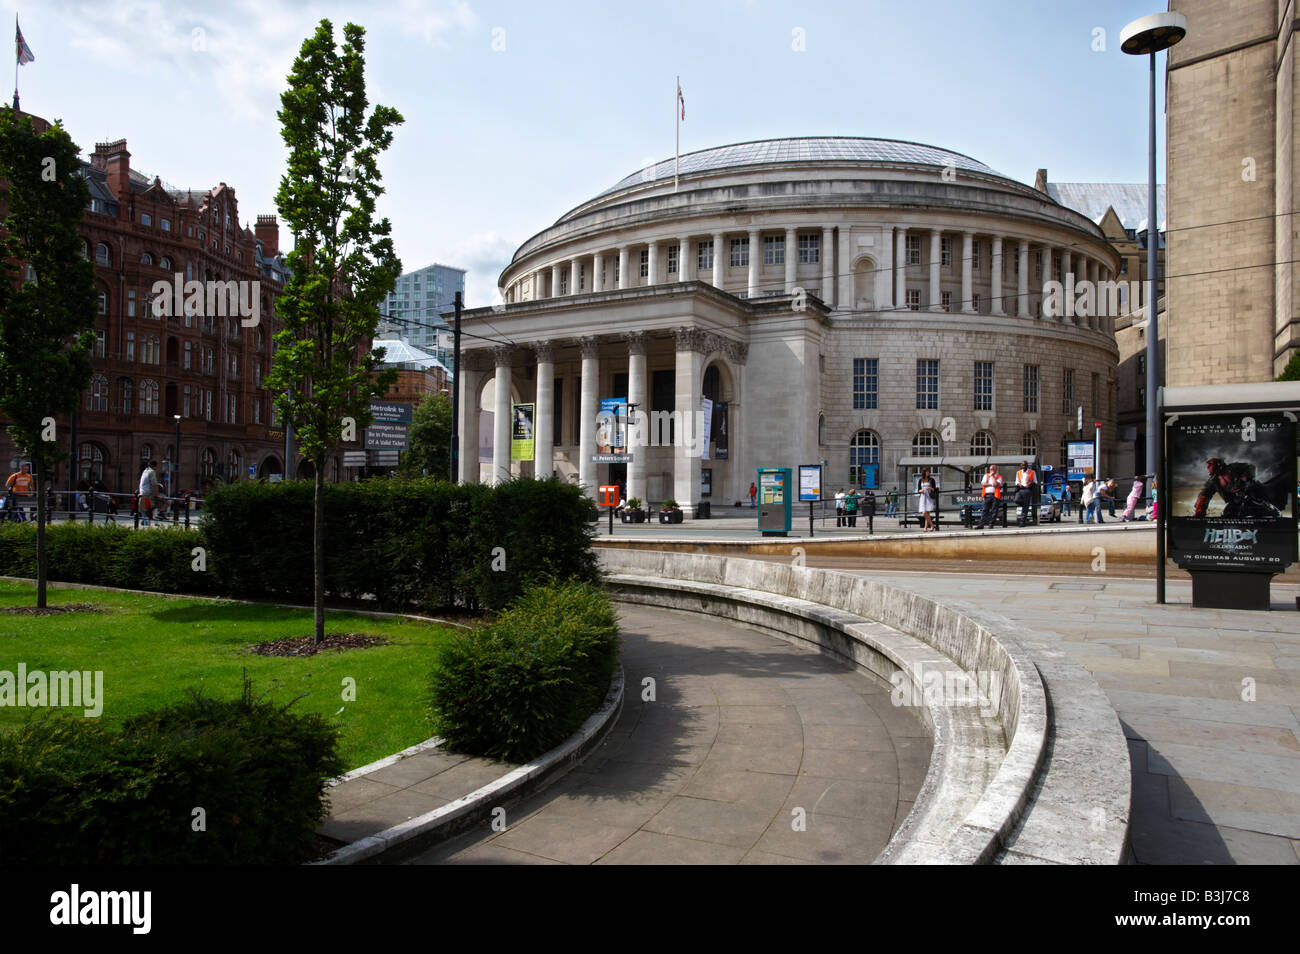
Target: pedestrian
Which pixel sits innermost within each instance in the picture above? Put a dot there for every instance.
(1155, 485)
(927, 493)
(1134, 495)
(753, 494)
(1066, 498)
(992, 486)
(1089, 500)
(839, 507)
(851, 508)
(20, 485)
(146, 491)
(868, 507)
(1107, 494)
(891, 500)
(1024, 492)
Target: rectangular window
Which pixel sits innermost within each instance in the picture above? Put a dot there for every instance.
(975, 301)
(557, 434)
(1067, 392)
(1038, 265)
(947, 300)
(185, 408)
(810, 249)
(739, 252)
(145, 219)
(645, 263)
(1123, 266)
(927, 383)
(207, 404)
(983, 385)
(914, 250)
(1142, 365)
(130, 346)
(257, 411)
(564, 282)
(130, 303)
(866, 379)
(975, 256)
(673, 259)
(773, 249)
(704, 255)
(914, 299)
(1031, 388)
(101, 344)
(1142, 397)
(165, 225)
(230, 411)
(945, 252)
(663, 398)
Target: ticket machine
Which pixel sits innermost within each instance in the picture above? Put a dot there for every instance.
(775, 493)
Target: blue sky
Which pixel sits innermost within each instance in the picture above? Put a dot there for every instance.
(499, 142)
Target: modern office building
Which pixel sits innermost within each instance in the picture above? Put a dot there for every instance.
(415, 306)
(840, 300)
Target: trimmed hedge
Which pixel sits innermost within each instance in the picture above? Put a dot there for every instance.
(521, 686)
(77, 791)
(426, 544)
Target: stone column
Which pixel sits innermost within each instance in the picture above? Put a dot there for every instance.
(588, 407)
(537, 285)
(1067, 286)
(469, 410)
(846, 293)
(1045, 256)
(828, 266)
(685, 264)
(544, 421)
(555, 281)
(719, 263)
(755, 259)
(575, 276)
(598, 272)
(900, 269)
(501, 417)
(995, 271)
(622, 267)
(791, 260)
(967, 277)
(936, 295)
(1022, 289)
(638, 431)
(686, 453)
(652, 272)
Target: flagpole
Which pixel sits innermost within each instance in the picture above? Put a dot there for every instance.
(16, 57)
(677, 115)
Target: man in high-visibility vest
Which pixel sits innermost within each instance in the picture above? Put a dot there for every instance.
(992, 485)
(1024, 492)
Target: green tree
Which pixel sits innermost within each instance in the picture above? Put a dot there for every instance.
(343, 264)
(430, 439)
(47, 297)
(1292, 370)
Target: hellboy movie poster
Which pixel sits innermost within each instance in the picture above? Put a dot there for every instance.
(1232, 491)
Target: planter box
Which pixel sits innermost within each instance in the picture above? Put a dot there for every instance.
(670, 516)
(633, 516)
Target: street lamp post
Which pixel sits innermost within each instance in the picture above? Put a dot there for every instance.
(1148, 36)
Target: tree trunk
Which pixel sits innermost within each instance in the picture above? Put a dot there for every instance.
(318, 552)
(41, 568)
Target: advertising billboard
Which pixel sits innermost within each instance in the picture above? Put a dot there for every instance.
(521, 432)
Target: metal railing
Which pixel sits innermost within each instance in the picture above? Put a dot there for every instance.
(100, 506)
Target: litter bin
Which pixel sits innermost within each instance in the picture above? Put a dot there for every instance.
(702, 510)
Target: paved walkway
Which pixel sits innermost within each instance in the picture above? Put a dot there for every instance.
(743, 730)
(1209, 700)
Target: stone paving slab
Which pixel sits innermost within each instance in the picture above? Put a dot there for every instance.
(712, 770)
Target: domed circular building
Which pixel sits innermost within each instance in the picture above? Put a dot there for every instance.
(840, 300)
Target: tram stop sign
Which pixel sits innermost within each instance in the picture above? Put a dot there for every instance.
(609, 495)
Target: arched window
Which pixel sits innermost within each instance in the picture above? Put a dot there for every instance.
(981, 445)
(149, 397)
(97, 394)
(102, 299)
(146, 453)
(234, 464)
(151, 350)
(85, 250)
(126, 392)
(1029, 444)
(102, 255)
(926, 444)
(146, 259)
(90, 462)
(165, 262)
(864, 449)
(208, 463)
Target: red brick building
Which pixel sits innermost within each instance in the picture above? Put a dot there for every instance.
(199, 362)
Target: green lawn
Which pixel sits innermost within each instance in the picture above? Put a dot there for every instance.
(152, 648)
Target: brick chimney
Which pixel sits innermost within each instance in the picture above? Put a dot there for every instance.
(113, 158)
(267, 231)
(1040, 181)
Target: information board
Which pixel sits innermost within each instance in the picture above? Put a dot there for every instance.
(810, 482)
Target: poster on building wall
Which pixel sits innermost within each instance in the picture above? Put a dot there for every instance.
(521, 432)
(1232, 491)
(611, 425)
(720, 428)
(706, 406)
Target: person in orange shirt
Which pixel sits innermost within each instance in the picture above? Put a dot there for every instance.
(20, 485)
(992, 486)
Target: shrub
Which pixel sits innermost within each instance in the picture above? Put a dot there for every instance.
(76, 791)
(518, 688)
(107, 555)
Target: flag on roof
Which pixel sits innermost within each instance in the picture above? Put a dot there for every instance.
(681, 99)
(25, 54)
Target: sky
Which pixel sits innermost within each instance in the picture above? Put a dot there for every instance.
(517, 112)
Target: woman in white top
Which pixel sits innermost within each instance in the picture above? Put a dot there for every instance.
(928, 499)
(1089, 500)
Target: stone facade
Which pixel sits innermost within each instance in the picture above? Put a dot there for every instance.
(770, 280)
